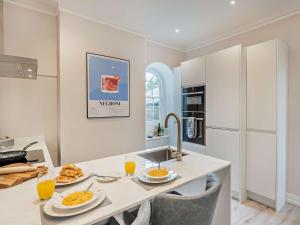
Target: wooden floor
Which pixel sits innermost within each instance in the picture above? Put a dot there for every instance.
(252, 213)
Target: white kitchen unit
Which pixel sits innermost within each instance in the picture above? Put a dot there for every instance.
(124, 194)
(177, 109)
(223, 74)
(225, 112)
(267, 75)
(224, 144)
(193, 72)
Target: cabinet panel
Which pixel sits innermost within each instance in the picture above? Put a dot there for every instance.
(261, 163)
(261, 86)
(223, 74)
(225, 144)
(193, 72)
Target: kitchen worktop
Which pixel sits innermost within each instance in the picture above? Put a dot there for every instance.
(21, 201)
(20, 143)
(17, 204)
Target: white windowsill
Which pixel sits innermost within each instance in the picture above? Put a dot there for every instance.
(155, 138)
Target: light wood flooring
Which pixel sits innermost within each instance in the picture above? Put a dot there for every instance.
(252, 213)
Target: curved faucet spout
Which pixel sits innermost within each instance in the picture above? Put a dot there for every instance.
(179, 149)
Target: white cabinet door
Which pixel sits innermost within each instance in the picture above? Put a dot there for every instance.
(261, 86)
(223, 74)
(261, 163)
(225, 144)
(193, 72)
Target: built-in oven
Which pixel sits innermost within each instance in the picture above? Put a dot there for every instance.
(193, 114)
(193, 99)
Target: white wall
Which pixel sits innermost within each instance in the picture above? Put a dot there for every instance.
(29, 107)
(82, 138)
(287, 30)
(33, 34)
(158, 53)
(97, 138)
(1, 27)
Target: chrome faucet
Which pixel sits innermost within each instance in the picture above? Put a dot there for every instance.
(179, 149)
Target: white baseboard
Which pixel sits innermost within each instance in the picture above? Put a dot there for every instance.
(293, 199)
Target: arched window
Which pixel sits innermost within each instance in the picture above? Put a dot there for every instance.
(153, 98)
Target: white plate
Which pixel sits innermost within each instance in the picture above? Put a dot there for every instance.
(106, 179)
(86, 174)
(58, 197)
(172, 176)
(145, 172)
(50, 210)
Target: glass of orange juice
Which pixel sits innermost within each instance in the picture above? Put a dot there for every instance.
(45, 185)
(129, 165)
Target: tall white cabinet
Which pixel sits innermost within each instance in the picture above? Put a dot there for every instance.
(193, 72)
(267, 74)
(225, 114)
(246, 107)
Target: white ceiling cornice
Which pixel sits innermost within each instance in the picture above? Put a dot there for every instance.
(166, 46)
(50, 12)
(51, 9)
(244, 30)
(46, 9)
(196, 46)
(100, 22)
(60, 9)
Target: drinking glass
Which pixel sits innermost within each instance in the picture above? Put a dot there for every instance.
(129, 165)
(45, 185)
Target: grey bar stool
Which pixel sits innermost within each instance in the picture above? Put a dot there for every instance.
(171, 209)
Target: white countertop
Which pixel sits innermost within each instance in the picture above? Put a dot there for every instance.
(19, 207)
(17, 203)
(20, 143)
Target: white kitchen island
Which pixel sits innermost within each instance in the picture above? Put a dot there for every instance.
(18, 204)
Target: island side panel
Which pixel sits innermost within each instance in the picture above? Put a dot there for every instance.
(222, 214)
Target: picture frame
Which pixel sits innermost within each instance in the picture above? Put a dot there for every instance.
(108, 86)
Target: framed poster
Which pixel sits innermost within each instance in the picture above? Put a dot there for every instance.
(108, 86)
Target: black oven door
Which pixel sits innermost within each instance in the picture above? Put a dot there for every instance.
(193, 99)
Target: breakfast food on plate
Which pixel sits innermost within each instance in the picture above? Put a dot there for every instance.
(158, 172)
(69, 173)
(77, 198)
(71, 166)
(64, 179)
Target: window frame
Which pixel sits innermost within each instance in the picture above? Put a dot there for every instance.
(160, 107)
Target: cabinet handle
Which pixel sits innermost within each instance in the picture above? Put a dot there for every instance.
(185, 118)
(200, 129)
(193, 93)
(262, 131)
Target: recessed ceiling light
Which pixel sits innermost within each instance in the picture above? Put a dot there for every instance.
(30, 76)
(177, 30)
(232, 2)
(29, 70)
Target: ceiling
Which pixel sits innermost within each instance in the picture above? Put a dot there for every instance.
(200, 21)
(48, 6)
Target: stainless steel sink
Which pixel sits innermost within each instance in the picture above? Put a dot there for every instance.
(160, 155)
